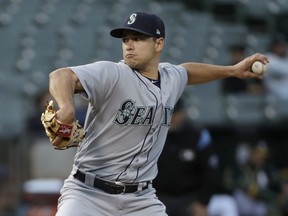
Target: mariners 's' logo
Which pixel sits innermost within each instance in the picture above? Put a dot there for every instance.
(132, 18)
(125, 112)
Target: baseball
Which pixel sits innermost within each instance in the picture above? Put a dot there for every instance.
(258, 67)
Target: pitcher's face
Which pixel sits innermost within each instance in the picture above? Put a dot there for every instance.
(139, 50)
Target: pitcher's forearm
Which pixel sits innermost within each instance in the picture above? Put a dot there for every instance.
(62, 87)
(203, 73)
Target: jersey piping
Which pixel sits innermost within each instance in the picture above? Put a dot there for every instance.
(144, 141)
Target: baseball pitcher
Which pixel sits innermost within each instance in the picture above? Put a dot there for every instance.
(130, 107)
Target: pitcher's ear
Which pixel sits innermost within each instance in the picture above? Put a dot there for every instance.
(159, 43)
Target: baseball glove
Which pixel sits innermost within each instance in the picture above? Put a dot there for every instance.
(71, 134)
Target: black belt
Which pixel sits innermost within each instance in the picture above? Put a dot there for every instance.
(111, 187)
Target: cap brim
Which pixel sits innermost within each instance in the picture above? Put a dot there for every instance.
(118, 32)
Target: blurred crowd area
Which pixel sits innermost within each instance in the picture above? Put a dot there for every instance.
(37, 37)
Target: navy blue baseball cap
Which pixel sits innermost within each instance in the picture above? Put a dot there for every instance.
(143, 22)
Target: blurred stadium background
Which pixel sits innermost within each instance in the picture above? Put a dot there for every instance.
(38, 36)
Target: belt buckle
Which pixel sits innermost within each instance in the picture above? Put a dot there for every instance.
(122, 185)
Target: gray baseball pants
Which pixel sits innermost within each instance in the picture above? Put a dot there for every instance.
(79, 199)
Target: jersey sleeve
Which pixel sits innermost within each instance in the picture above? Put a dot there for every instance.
(97, 79)
(178, 78)
(183, 78)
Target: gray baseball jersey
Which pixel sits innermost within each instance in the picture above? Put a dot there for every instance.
(127, 119)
